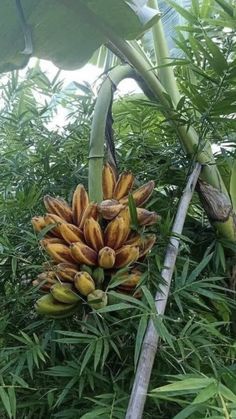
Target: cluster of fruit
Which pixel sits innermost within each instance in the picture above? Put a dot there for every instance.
(89, 243)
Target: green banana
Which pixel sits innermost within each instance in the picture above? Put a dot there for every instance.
(64, 294)
(48, 306)
(97, 299)
(98, 276)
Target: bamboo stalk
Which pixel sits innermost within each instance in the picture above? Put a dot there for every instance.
(97, 136)
(150, 342)
(162, 54)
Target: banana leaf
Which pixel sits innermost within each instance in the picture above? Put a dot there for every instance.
(67, 32)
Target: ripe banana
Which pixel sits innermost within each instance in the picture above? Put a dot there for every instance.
(70, 233)
(97, 299)
(80, 202)
(54, 219)
(110, 208)
(84, 254)
(131, 280)
(59, 252)
(125, 214)
(84, 283)
(123, 185)
(140, 195)
(108, 181)
(134, 239)
(146, 244)
(90, 212)
(106, 257)
(44, 242)
(58, 207)
(67, 271)
(64, 294)
(114, 233)
(126, 255)
(38, 223)
(146, 218)
(47, 305)
(93, 234)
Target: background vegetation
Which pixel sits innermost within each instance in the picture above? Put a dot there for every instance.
(83, 368)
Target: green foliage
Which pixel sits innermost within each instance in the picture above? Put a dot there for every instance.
(84, 367)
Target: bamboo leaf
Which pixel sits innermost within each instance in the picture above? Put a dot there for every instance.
(183, 12)
(233, 185)
(6, 401)
(227, 393)
(217, 55)
(133, 213)
(206, 393)
(190, 384)
(194, 274)
(139, 337)
(87, 356)
(98, 353)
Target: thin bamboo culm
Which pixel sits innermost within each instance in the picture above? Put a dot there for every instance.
(150, 342)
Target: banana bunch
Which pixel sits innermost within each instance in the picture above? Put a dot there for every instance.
(89, 242)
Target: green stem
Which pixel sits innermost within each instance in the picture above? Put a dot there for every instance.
(97, 136)
(162, 54)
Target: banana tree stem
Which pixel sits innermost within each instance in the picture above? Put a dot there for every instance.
(97, 136)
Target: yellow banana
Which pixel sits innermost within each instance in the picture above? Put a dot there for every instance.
(67, 271)
(114, 233)
(146, 244)
(126, 255)
(131, 280)
(80, 202)
(123, 185)
(64, 293)
(58, 207)
(44, 242)
(93, 234)
(54, 219)
(106, 258)
(140, 195)
(59, 252)
(97, 299)
(108, 181)
(47, 305)
(38, 223)
(125, 214)
(146, 218)
(70, 233)
(90, 212)
(84, 254)
(134, 239)
(84, 283)
(110, 208)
